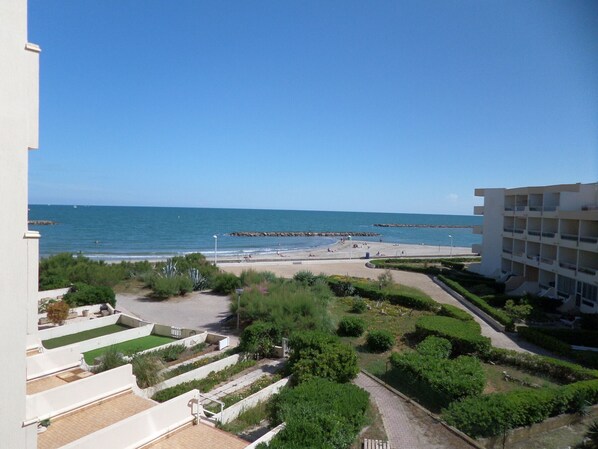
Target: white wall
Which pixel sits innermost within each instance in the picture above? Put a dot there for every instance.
(52, 361)
(19, 122)
(230, 413)
(266, 437)
(143, 427)
(52, 294)
(70, 396)
(494, 203)
(112, 339)
(78, 326)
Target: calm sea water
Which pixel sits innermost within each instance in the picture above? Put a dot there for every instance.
(110, 232)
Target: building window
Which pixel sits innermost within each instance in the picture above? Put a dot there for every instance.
(565, 286)
(589, 292)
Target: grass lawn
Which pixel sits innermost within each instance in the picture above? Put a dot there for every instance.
(82, 336)
(247, 420)
(495, 381)
(131, 347)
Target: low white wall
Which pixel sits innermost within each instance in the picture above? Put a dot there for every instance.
(52, 361)
(79, 326)
(198, 373)
(188, 342)
(52, 294)
(230, 413)
(70, 396)
(143, 427)
(33, 341)
(266, 437)
(112, 339)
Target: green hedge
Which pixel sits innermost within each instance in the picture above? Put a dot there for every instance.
(351, 326)
(572, 336)
(318, 414)
(493, 414)
(454, 312)
(545, 340)
(82, 294)
(380, 340)
(464, 335)
(499, 315)
(559, 370)
(412, 298)
(443, 380)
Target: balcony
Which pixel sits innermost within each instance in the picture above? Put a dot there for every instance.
(533, 259)
(476, 248)
(567, 268)
(587, 270)
(478, 229)
(547, 261)
(478, 210)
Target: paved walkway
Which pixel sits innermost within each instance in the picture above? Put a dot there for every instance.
(406, 426)
(267, 369)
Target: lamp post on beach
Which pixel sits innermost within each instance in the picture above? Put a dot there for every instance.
(451, 237)
(239, 292)
(215, 250)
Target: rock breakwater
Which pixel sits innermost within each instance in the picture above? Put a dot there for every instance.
(404, 225)
(303, 234)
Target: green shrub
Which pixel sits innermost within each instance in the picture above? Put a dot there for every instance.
(305, 277)
(493, 414)
(358, 305)
(380, 340)
(318, 414)
(165, 287)
(351, 326)
(146, 368)
(252, 277)
(465, 336)
(578, 337)
(57, 312)
(454, 312)
(499, 315)
(170, 353)
(518, 310)
(259, 339)
(442, 380)
(395, 294)
(436, 347)
(226, 283)
(110, 359)
(315, 354)
(84, 295)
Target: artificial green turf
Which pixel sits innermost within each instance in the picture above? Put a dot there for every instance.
(130, 347)
(84, 335)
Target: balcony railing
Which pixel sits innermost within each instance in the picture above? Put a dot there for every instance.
(532, 232)
(568, 265)
(508, 251)
(508, 229)
(548, 234)
(518, 231)
(546, 260)
(569, 237)
(587, 270)
(588, 239)
(535, 208)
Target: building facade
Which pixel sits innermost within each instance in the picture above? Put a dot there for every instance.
(542, 240)
(19, 69)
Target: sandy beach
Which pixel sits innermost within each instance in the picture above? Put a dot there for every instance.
(349, 250)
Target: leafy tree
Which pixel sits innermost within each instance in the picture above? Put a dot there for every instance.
(83, 295)
(315, 354)
(519, 311)
(259, 338)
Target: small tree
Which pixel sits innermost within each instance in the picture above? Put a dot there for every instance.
(58, 312)
(380, 340)
(385, 280)
(351, 326)
(259, 338)
(518, 311)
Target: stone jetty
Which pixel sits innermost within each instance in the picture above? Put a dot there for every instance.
(303, 234)
(41, 222)
(405, 225)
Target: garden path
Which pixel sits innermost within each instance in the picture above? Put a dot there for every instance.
(266, 369)
(406, 426)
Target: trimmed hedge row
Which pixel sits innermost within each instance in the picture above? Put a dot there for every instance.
(397, 295)
(499, 315)
(493, 414)
(454, 312)
(559, 370)
(580, 337)
(464, 335)
(432, 373)
(555, 345)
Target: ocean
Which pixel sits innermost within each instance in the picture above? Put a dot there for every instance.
(115, 232)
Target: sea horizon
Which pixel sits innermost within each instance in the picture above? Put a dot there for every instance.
(141, 232)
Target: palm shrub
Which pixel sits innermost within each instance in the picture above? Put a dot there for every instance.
(146, 368)
(380, 340)
(351, 326)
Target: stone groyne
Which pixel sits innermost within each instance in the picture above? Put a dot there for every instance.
(303, 234)
(404, 225)
(41, 222)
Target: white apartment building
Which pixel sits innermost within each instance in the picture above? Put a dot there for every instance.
(19, 85)
(542, 240)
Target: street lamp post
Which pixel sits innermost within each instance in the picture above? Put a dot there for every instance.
(239, 292)
(451, 237)
(215, 250)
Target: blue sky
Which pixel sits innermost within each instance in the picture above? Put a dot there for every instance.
(391, 106)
